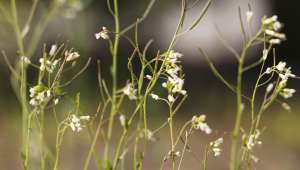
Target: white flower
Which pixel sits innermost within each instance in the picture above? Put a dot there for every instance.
(253, 140)
(287, 93)
(198, 123)
(285, 72)
(102, 34)
(48, 92)
(148, 77)
(56, 101)
(250, 143)
(25, 60)
(39, 95)
(177, 85)
(217, 151)
(173, 57)
(70, 56)
(122, 119)
(171, 99)
(173, 71)
(270, 32)
(154, 96)
(286, 107)
(269, 87)
(215, 146)
(75, 122)
(268, 70)
(84, 117)
(177, 153)
(48, 65)
(275, 34)
(249, 15)
(53, 50)
(254, 158)
(271, 27)
(275, 41)
(270, 20)
(164, 85)
(150, 135)
(281, 66)
(130, 91)
(204, 127)
(277, 26)
(265, 54)
(173, 154)
(25, 30)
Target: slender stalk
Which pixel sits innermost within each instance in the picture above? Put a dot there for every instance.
(117, 155)
(93, 144)
(16, 27)
(239, 112)
(239, 104)
(172, 137)
(59, 138)
(205, 157)
(21, 68)
(27, 146)
(114, 80)
(42, 120)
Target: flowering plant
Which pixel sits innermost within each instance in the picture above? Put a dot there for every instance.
(153, 73)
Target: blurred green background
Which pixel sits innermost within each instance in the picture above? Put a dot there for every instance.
(281, 140)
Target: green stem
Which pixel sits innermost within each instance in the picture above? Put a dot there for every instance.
(59, 138)
(172, 137)
(239, 104)
(21, 68)
(114, 80)
(42, 119)
(239, 112)
(27, 141)
(93, 144)
(205, 158)
(16, 27)
(117, 155)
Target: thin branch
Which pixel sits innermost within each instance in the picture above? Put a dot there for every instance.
(226, 44)
(202, 14)
(242, 24)
(80, 72)
(218, 75)
(144, 16)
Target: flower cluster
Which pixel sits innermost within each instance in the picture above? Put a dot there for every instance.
(71, 56)
(284, 73)
(102, 34)
(287, 93)
(75, 122)
(25, 60)
(72, 8)
(39, 95)
(215, 146)
(48, 65)
(147, 134)
(252, 140)
(175, 82)
(130, 91)
(53, 50)
(172, 155)
(198, 123)
(154, 96)
(271, 28)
